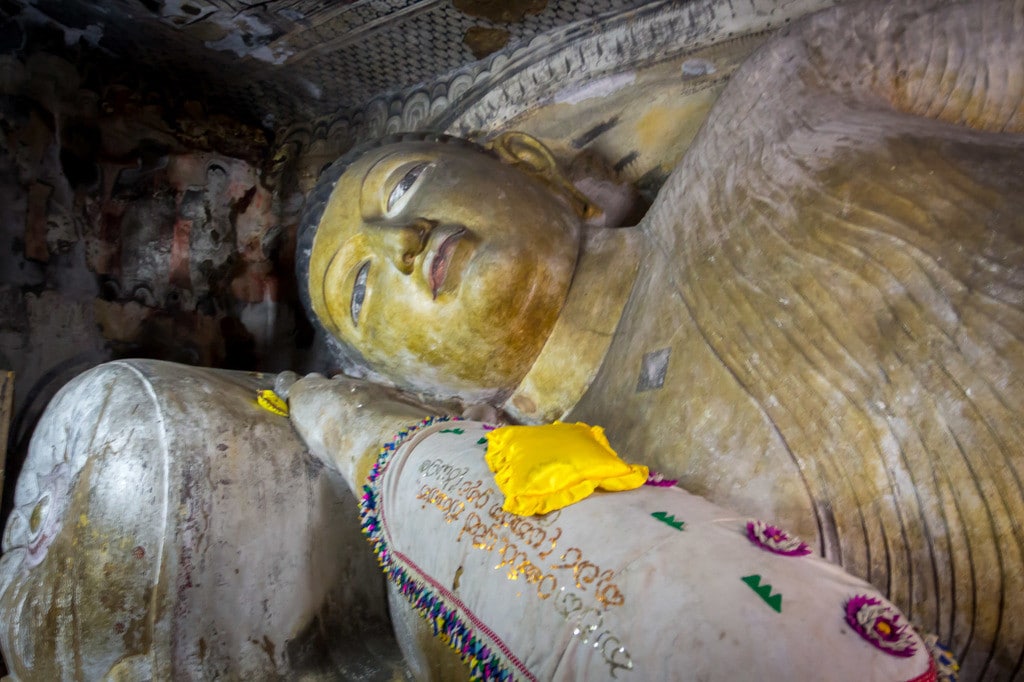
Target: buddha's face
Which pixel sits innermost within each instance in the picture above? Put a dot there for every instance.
(445, 267)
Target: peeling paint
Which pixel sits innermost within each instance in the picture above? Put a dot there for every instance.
(183, 12)
(247, 36)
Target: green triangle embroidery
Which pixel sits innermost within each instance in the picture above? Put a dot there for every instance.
(482, 441)
(764, 591)
(455, 431)
(670, 519)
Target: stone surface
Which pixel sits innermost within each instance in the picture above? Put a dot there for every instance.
(131, 236)
(141, 224)
(167, 527)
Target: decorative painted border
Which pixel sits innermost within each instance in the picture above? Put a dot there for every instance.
(486, 95)
(449, 618)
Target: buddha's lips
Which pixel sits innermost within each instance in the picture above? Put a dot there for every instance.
(439, 264)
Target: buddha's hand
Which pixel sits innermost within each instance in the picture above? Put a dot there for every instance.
(344, 421)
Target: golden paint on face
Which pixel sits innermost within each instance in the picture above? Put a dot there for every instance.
(443, 266)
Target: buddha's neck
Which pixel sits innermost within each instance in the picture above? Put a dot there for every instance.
(607, 267)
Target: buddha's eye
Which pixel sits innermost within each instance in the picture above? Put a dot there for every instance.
(404, 185)
(359, 292)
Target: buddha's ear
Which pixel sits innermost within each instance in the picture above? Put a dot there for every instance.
(531, 156)
(525, 152)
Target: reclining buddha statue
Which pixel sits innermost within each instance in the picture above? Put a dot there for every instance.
(817, 324)
(172, 524)
(818, 321)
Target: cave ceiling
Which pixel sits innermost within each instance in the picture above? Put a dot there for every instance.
(273, 62)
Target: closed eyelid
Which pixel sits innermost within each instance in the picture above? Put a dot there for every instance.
(358, 295)
(381, 179)
(339, 279)
(403, 189)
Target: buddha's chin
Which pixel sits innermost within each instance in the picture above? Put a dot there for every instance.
(481, 372)
(445, 387)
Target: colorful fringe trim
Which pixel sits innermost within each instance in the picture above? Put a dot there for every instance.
(929, 675)
(947, 667)
(484, 663)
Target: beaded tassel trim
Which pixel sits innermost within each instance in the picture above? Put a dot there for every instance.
(448, 624)
(946, 666)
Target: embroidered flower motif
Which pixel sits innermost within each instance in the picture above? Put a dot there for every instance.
(774, 539)
(880, 624)
(658, 480)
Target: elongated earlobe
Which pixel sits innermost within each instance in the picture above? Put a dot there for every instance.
(529, 155)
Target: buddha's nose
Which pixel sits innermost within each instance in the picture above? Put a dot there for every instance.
(403, 244)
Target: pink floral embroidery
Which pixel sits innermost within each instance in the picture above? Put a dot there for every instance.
(880, 624)
(656, 479)
(774, 539)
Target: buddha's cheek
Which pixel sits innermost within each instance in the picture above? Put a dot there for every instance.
(447, 353)
(514, 302)
(483, 336)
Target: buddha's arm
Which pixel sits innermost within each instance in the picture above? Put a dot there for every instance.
(344, 421)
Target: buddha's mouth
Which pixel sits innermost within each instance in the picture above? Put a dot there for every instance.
(438, 272)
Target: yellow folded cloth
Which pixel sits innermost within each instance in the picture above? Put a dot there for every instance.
(543, 468)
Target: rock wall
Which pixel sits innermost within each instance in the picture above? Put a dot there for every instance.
(134, 227)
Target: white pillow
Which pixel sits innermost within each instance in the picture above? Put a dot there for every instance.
(648, 584)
